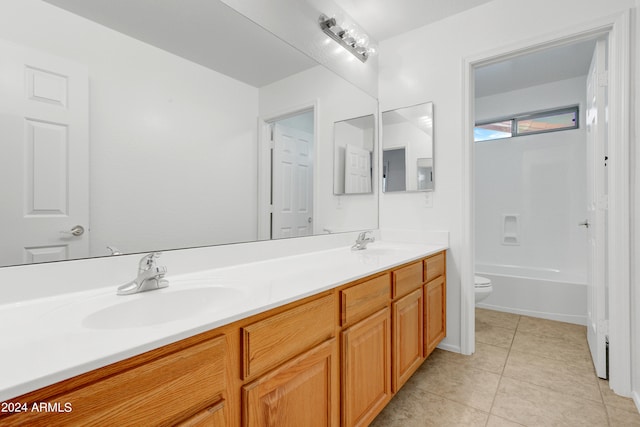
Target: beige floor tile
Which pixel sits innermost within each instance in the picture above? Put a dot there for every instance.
(620, 417)
(462, 384)
(493, 335)
(574, 380)
(495, 421)
(538, 406)
(497, 318)
(571, 352)
(613, 400)
(418, 408)
(487, 358)
(551, 328)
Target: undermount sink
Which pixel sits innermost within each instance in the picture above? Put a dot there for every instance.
(161, 306)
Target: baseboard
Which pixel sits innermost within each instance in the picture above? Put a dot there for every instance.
(567, 318)
(636, 399)
(450, 347)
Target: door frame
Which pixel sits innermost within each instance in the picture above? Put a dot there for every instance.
(264, 163)
(617, 28)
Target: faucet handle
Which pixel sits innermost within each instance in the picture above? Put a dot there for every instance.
(363, 235)
(148, 261)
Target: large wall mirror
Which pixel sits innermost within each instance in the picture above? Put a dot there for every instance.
(407, 149)
(354, 148)
(140, 125)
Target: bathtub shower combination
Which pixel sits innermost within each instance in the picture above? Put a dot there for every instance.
(538, 292)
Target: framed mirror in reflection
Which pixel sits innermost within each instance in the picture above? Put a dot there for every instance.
(354, 148)
(134, 127)
(407, 149)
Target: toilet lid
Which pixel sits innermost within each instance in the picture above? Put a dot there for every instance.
(481, 282)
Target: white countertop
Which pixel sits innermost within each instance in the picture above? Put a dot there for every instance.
(52, 339)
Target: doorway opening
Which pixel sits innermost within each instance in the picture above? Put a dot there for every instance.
(287, 175)
(540, 185)
(616, 30)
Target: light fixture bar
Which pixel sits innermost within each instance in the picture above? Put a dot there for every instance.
(330, 28)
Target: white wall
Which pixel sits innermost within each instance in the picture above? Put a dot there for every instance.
(149, 112)
(337, 213)
(426, 64)
(539, 177)
(635, 225)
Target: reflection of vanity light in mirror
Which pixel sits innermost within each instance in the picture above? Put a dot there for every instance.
(353, 40)
(407, 149)
(353, 141)
(172, 107)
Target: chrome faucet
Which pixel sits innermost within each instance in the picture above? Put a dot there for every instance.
(150, 276)
(362, 241)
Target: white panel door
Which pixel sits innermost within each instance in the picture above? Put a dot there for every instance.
(44, 166)
(596, 208)
(292, 183)
(357, 170)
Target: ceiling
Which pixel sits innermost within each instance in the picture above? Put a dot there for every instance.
(212, 34)
(545, 66)
(195, 30)
(383, 19)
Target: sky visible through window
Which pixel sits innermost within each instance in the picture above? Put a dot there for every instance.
(527, 124)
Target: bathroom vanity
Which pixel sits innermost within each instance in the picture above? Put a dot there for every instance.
(328, 343)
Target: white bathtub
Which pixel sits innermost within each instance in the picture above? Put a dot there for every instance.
(538, 292)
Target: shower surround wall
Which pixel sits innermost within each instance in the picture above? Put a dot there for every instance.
(541, 180)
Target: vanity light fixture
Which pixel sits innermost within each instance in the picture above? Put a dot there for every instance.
(350, 39)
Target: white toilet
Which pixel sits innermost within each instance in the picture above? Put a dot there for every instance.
(483, 288)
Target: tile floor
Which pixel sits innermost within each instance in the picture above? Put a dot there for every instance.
(525, 371)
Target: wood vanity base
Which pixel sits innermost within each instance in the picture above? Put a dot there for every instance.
(335, 358)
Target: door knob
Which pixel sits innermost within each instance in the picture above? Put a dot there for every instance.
(78, 230)
(584, 224)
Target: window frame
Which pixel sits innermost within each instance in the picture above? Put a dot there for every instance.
(514, 119)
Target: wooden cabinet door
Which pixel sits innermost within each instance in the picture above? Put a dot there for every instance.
(302, 392)
(366, 368)
(435, 295)
(408, 330)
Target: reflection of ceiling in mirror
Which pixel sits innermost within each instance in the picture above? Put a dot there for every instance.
(365, 122)
(207, 32)
(420, 116)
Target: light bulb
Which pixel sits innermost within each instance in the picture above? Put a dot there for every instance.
(363, 40)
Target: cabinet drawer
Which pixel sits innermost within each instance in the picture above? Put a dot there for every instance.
(406, 279)
(163, 391)
(359, 301)
(213, 416)
(278, 338)
(434, 266)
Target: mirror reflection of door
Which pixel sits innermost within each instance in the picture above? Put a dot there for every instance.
(353, 141)
(45, 149)
(407, 143)
(292, 177)
(357, 170)
(394, 169)
(425, 174)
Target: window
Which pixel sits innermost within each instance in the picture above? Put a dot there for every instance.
(527, 124)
